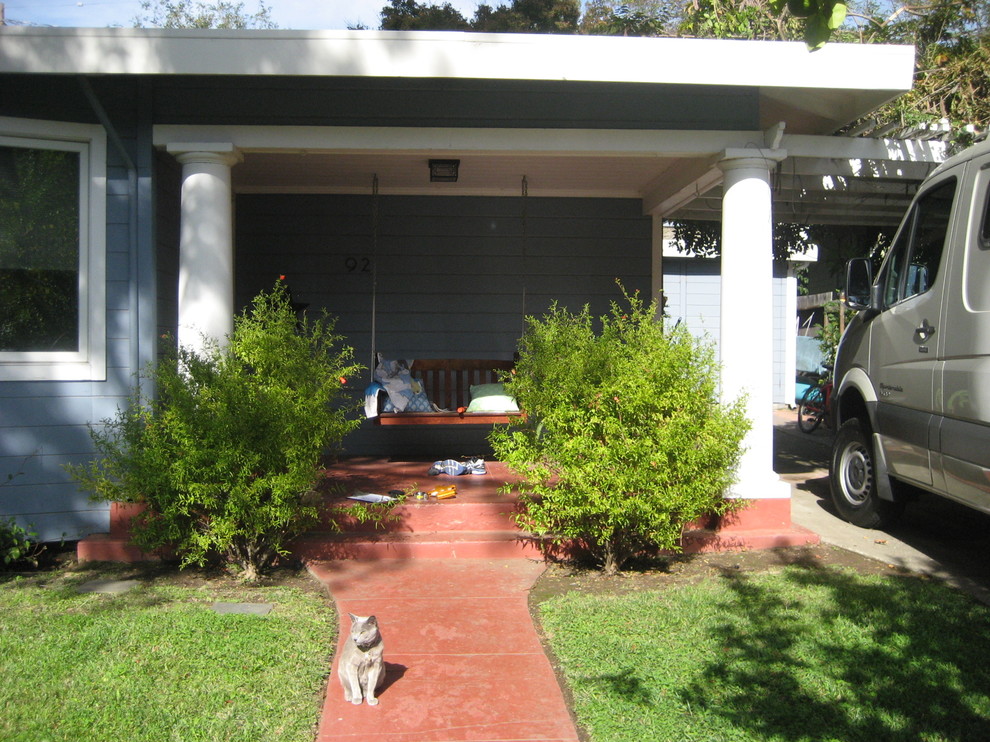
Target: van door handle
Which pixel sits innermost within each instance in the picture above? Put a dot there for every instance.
(926, 330)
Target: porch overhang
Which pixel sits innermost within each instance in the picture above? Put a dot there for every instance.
(659, 155)
(815, 93)
(823, 179)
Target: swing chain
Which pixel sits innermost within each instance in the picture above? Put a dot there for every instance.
(374, 276)
(525, 238)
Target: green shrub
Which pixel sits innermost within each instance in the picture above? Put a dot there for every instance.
(830, 331)
(18, 545)
(229, 452)
(624, 441)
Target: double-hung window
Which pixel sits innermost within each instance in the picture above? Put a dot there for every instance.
(52, 251)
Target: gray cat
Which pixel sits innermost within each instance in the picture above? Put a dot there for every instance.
(362, 666)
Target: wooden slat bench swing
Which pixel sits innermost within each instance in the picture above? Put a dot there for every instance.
(446, 381)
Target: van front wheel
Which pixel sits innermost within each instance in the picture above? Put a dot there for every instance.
(853, 479)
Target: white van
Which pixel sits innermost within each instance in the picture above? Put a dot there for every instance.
(911, 399)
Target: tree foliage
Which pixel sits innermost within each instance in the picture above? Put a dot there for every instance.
(624, 441)
(704, 239)
(199, 14)
(952, 65)
(529, 16)
(228, 454)
(522, 16)
(822, 18)
(737, 19)
(629, 17)
(408, 15)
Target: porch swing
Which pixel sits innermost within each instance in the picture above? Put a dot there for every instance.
(460, 391)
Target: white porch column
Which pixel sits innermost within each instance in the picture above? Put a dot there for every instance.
(746, 331)
(206, 242)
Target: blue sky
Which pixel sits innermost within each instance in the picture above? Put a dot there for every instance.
(298, 14)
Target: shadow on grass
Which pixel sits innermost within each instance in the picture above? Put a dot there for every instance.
(822, 654)
(624, 684)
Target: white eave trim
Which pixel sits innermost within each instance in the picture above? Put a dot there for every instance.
(456, 55)
(566, 142)
(397, 139)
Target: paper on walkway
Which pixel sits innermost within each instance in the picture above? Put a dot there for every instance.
(370, 497)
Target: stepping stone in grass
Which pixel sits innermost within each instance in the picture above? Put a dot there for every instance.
(111, 587)
(249, 609)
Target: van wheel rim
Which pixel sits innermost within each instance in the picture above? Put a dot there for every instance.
(857, 474)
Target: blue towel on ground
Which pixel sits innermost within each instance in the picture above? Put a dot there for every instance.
(454, 468)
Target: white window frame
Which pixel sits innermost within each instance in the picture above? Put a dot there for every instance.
(89, 363)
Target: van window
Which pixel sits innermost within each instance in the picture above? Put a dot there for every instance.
(985, 230)
(976, 264)
(912, 265)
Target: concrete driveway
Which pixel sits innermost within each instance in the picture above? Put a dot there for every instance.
(934, 537)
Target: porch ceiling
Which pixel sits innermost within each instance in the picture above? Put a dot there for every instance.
(807, 189)
(479, 174)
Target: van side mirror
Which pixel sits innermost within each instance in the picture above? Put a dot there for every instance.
(859, 285)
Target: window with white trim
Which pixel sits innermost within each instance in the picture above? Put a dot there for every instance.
(52, 251)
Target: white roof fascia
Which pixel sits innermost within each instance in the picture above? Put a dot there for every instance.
(397, 139)
(455, 55)
(632, 143)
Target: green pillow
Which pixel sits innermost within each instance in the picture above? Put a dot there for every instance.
(491, 398)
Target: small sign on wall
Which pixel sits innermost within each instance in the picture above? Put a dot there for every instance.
(354, 264)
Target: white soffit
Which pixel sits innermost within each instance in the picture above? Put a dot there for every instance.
(456, 55)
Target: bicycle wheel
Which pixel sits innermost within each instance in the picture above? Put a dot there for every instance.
(811, 411)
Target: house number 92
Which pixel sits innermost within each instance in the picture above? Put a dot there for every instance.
(357, 265)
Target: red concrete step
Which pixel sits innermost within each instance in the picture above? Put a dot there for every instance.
(105, 547)
(444, 515)
(708, 540)
(477, 523)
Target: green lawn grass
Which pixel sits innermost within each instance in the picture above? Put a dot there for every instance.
(800, 654)
(158, 664)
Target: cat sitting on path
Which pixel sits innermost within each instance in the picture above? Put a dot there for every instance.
(362, 664)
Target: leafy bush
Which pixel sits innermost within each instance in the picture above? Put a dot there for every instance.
(228, 454)
(18, 545)
(624, 441)
(830, 332)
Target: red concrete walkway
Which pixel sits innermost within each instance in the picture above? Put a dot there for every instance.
(462, 655)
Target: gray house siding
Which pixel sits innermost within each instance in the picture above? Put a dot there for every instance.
(44, 425)
(454, 276)
(274, 100)
(452, 103)
(783, 379)
(692, 287)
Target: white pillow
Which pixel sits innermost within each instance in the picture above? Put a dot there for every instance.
(491, 398)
